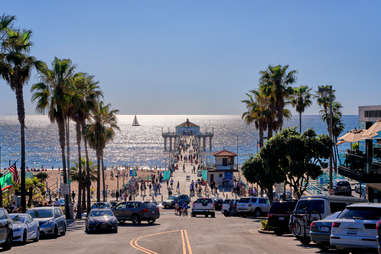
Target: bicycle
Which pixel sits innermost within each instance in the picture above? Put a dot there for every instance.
(300, 226)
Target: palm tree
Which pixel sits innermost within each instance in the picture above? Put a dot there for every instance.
(101, 131)
(256, 113)
(15, 68)
(84, 98)
(5, 24)
(277, 79)
(53, 95)
(301, 99)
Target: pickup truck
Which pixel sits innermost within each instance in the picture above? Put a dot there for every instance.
(203, 206)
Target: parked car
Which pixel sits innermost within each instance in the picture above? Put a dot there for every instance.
(378, 228)
(136, 212)
(218, 204)
(170, 202)
(355, 227)
(229, 207)
(226, 207)
(51, 220)
(343, 187)
(253, 205)
(61, 201)
(24, 228)
(279, 216)
(101, 219)
(360, 189)
(320, 231)
(311, 208)
(101, 205)
(6, 230)
(203, 206)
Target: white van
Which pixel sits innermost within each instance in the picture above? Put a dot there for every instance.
(310, 208)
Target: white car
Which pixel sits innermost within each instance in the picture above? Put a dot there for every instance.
(226, 206)
(355, 227)
(24, 228)
(253, 205)
(204, 206)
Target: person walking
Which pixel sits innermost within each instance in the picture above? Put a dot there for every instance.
(178, 187)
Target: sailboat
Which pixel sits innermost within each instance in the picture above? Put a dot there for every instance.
(135, 122)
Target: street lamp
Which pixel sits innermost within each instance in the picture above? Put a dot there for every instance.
(327, 92)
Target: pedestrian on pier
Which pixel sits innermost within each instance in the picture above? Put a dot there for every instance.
(178, 187)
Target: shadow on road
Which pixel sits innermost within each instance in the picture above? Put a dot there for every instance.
(139, 225)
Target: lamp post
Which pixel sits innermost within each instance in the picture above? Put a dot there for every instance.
(117, 185)
(327, 92)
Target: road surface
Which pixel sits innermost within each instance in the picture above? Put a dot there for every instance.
(171, 235)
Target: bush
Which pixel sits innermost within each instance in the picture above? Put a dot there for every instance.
(265, 225)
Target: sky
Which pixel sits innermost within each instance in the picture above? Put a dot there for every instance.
(201, 57)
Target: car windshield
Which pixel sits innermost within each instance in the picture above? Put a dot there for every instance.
(17, 218)
(101, 205)
(282, 207)
(244, 200)
(227, 201)
(41, 213)
(204, 201)
(310, 206)
(171, 197)
(361, 213)
(101, 213)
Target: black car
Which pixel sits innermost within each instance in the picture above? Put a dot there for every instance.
(136, 212)
(343, 188)
(101, 219)
(279, 216)
(6, 232)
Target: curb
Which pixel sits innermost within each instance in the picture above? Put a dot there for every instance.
(265, 232)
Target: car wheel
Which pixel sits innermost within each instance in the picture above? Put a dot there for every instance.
(64, 230)
(257, 212)
(278, 232)
(115, 230)
(206, 216)
(152, 221)
(305, 240)
(226, 213)
(323, 247)
(213, 215)
(8, 244)
(135, 220)
(24, 237)
(55, 234)
(193, 215)
(37, 235)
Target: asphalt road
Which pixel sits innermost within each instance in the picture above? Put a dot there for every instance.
(171, 235)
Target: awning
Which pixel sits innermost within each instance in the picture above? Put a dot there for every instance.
(376, 127)
(356, 135)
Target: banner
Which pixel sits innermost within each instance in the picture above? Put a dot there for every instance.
(167, 175)
(205, 174)
(6, 181)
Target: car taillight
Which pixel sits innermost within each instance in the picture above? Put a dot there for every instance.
(158, 210)
(313, 224)
(270, 215)
(336, 224)
(213, 205)
(249, 205)
(378, 225)
(145, 210)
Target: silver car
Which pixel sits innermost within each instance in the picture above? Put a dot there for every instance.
(51, 220)
(24, 228)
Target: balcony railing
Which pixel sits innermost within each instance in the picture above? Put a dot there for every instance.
(358, 167)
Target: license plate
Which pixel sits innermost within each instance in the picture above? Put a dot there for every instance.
(324, 229)
(281, 218)
(352, 232)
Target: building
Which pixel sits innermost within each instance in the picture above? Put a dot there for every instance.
(187, 128)
(363, 161)
(223, 170)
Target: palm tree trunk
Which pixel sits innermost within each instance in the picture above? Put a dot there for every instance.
(88, 180)
(79, 203)
(300, 122)
(21, 117)
(98, 177)
(67, 132)
(61, 134)
(103, 180)
(260, 136)
(83, 195)
(269, 131)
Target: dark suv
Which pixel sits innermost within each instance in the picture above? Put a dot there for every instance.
(6, 232)
(136, 212)
(343, 188)
(279, 216)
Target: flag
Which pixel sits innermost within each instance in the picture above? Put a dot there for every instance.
(14, 173)
(6, 181)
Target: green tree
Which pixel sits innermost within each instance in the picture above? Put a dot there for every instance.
(276, 80)
(101, 131)
(299, 156)
(15, 68)
(256, 171)
(301, 99)
(53, 95)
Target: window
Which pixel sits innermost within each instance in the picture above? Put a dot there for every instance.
(372, 113)
(337, 207)
(310, 206)
(254, 200)
(121, 206)
(57, 213)
(362, 213)
(262, 201)
(224, 161)
(2, 214)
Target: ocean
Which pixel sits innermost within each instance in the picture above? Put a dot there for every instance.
(141, 146)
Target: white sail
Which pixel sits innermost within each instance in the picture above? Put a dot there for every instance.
(135, 122)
